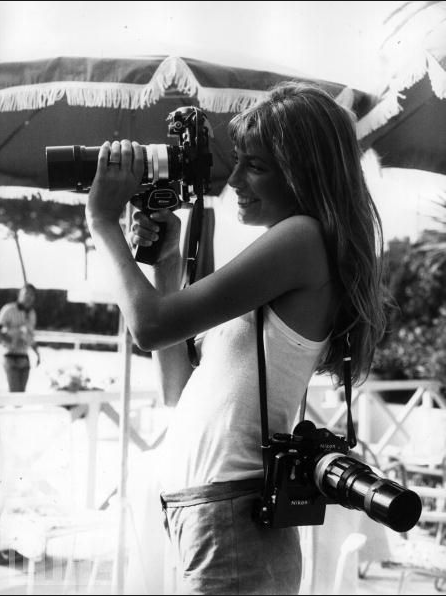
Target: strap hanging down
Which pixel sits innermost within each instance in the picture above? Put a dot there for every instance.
(262, 386)
(351, 436)
(191, 266)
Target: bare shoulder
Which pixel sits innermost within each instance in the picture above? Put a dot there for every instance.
(301, 228)
(299, 242)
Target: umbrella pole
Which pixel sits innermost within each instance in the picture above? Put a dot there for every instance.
(124, 429)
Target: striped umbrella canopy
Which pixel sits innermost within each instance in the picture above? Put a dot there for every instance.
(84, 101)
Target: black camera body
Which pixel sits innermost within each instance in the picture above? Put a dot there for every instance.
(172, 173)
(310, 469)
(291, 496)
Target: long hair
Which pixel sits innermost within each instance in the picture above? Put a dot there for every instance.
(313, 142)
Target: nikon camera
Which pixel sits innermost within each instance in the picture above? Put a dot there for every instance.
(171, 172)
(311, 468)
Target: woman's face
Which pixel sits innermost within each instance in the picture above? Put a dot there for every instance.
(263, 196)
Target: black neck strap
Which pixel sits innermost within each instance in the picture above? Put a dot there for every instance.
(191, 264)
(351, 436)
(262, 386)
(347, 358)
(194, 240)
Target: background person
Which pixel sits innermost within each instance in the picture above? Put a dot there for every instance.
(315, 271)
(17, 326)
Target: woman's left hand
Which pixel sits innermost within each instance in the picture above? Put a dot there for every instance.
(118, 178)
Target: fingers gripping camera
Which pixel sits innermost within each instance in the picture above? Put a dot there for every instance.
(310, 469)
(171, 172)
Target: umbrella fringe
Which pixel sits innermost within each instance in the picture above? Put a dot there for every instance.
(228, 100)
(379, 115)
(172, 71)
(437, 76)
(412, 73)
(175, 71)
(77, 93)
(389, 107)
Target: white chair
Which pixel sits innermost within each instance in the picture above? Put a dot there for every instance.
(348, 559)
(40, 518)
(420, 552)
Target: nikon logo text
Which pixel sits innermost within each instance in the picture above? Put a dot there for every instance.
(297, 502)
(327, 446)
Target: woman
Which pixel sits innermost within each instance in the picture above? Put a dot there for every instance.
(315, 270)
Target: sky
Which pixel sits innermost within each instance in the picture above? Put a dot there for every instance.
(330, 40)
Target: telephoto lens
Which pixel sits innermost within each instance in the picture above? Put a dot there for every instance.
(354, 485)
(73, 167)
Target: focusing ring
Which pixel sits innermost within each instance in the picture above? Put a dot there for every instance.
(371, 493)
(349, 476)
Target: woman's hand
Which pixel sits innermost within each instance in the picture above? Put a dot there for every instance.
(117, 180)
(145, 229)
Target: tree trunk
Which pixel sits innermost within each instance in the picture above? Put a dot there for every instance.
(19, 252)
(85, 261)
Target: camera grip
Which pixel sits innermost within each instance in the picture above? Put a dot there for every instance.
(149, 254)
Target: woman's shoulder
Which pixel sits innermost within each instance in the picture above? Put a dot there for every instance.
(300, 223)
(300, 233)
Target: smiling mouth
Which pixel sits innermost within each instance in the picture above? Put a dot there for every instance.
(242, 202)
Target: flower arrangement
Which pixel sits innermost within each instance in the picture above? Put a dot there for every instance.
(74, 378)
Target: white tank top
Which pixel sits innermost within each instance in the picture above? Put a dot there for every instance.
(214, 434)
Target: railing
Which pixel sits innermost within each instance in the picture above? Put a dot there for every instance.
(424, 392)
(97, 401)
(76, 339)
(367, 400)
(383, 426)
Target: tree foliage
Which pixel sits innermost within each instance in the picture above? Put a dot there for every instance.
(55, 221)
(415, 343)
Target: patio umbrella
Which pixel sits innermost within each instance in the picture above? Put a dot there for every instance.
(44, 103)
(407, 126)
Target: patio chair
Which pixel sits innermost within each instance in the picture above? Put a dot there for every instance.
(40, 518)
(422, 550)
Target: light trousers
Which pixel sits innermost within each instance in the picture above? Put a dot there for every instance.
(221, 550)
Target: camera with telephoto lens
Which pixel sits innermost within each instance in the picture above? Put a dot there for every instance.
(311, 468)
(172, 173)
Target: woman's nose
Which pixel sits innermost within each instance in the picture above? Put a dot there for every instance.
(235, 179)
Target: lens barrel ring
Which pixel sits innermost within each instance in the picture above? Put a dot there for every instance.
(371, 493)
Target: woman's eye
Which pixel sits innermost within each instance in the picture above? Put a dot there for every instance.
(256, 168)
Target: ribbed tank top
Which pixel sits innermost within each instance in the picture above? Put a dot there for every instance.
(214, 434)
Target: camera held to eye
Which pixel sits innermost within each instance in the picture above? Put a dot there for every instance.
(310, 468)
(172, 173)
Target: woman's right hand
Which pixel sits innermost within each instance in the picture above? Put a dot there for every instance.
(144, 232)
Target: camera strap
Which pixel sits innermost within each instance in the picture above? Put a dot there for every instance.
(194, 240)
(262, 388)
(192, 262)
(347, 358)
